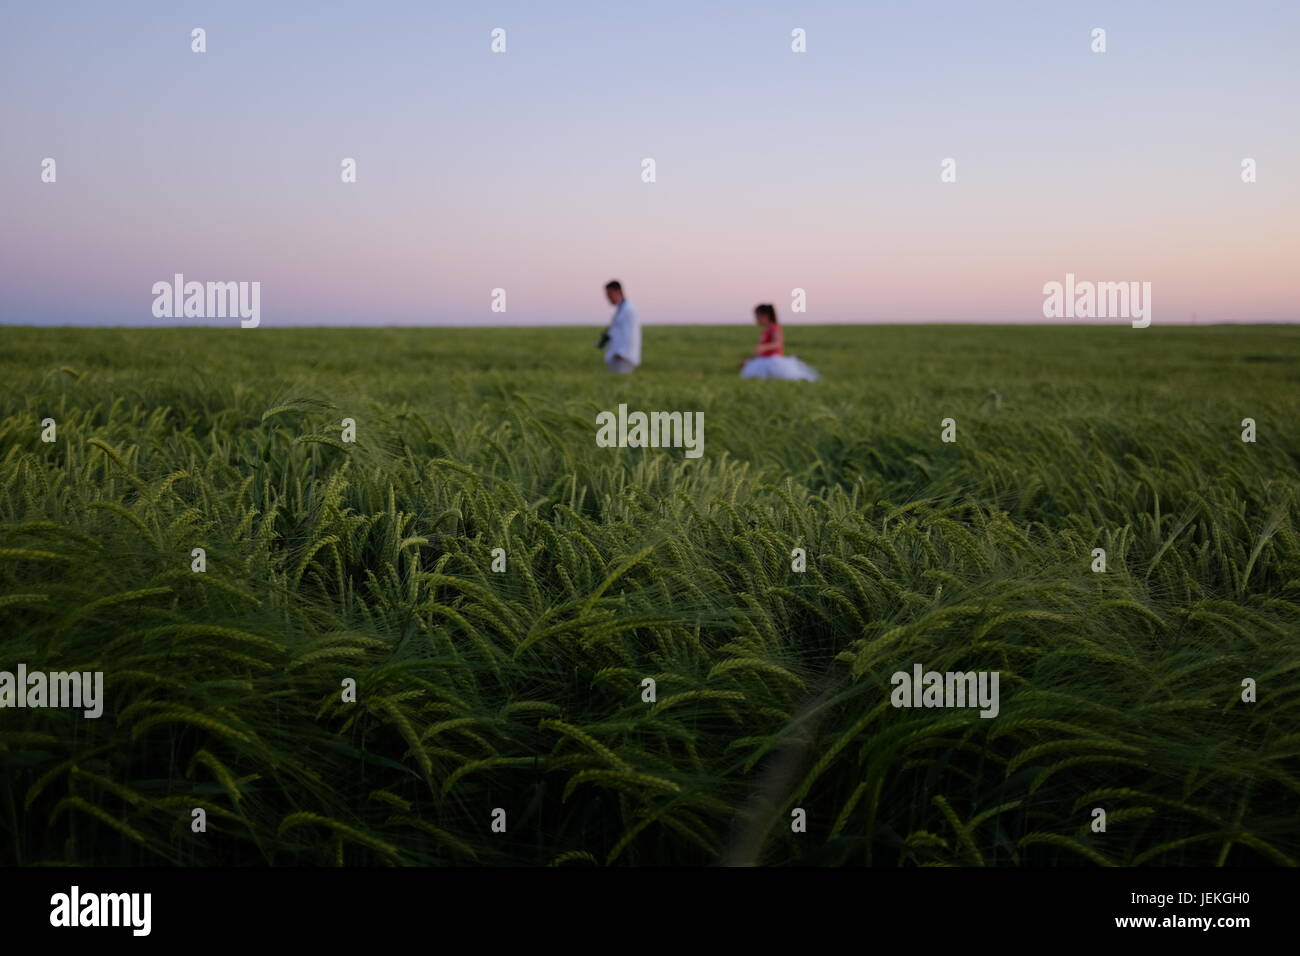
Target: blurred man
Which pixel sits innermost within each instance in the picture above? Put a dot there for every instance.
(622, 340)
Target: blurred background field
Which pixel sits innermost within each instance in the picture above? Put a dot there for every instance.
(523, 690)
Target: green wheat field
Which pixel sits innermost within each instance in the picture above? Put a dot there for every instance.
(522, 691)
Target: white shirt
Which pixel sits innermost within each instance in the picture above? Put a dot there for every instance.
(625, 334)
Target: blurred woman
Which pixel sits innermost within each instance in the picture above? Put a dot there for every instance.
(770, 360)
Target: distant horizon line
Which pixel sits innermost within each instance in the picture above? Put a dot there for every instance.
(209, 325)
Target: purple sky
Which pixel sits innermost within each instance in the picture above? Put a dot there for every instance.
(522, 171)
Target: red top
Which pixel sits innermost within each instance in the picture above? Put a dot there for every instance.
(770, 342)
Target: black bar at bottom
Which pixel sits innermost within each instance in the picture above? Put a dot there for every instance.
(212, 906)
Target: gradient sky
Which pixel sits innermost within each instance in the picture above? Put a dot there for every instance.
(775, 170)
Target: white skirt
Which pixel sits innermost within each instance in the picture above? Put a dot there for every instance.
(779, 366)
